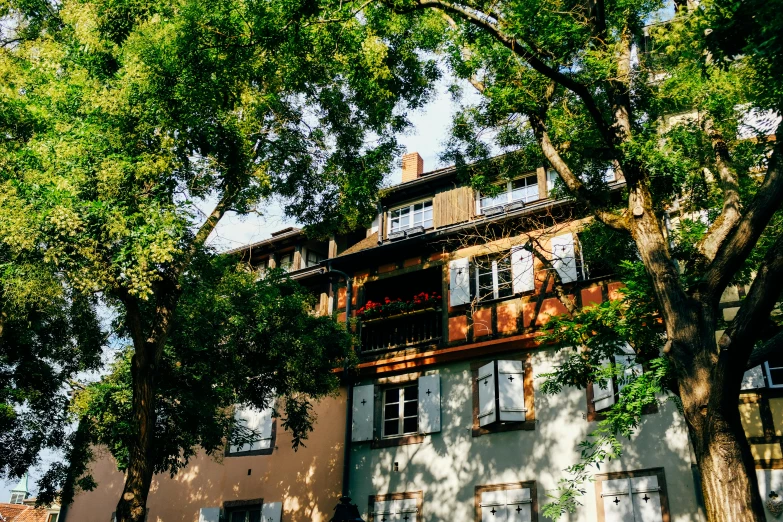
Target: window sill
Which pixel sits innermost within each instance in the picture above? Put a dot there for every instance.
(529, 425)
(252, 453)
(397, 441)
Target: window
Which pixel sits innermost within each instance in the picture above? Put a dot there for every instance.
(254, 432)
(552, 176)
(774, 370)
(53, 517)
(502, 396)
(405, 408)
(515, 502)
(286, 262)
(313, 258)
(520, 189)
(417, 214)
(253, 511)
(632, 496)
(601, 397)
(395, 507)
(493, 278)
(401, 411)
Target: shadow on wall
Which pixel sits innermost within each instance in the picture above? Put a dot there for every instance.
(449, 464)
(308, 481)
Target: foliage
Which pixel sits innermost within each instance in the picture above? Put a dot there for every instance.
(118, 122)
(372, 309)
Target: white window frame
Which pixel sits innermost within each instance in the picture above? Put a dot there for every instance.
(401, 401)
(306, 257)
(495, 278)
(508, 192)
(768, 373)
(279, 261)
(411, 213)
(610, 176)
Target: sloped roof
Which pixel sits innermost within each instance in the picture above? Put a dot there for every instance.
(32, 514)
(11, 512)
(368, 242)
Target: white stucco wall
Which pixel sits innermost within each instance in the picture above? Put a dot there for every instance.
(448, 465)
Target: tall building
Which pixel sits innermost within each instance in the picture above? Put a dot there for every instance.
(449, 290)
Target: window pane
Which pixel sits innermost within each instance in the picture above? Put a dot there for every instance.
(776, 375)
(391, 427)
(391, 411)
(412, 393)
(485, 288)
(411, 408)
(505, 285)
(255, 515)
(489, 202)
(411, 425)
(392, 396)
(238, 516)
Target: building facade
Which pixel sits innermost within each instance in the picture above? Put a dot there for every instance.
(449, 291)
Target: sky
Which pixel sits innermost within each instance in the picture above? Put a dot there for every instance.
(429, 130)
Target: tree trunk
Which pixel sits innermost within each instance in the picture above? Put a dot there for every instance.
(133, 502)
(710, 403)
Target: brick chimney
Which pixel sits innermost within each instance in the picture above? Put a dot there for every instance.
(412, 166)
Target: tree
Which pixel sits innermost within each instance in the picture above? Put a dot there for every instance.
(591, 86)
(134, 113)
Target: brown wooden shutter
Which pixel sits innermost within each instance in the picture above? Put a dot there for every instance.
(453, 206)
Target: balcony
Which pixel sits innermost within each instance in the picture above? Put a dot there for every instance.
(407, 330)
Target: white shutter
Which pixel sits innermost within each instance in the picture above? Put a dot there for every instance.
(646, 497)
(493, 506)
(271, 512)
(616, 497)
(632, 368)
(603, 397)
(563, 259)
(487, 397)
(204, 514)
(363, 408)
(409, 510)
(522, 270)
(385, 511)
(511, 390)
(260, 422)
(519, 505)
(753, 378)
(429, 403)
(459, 281)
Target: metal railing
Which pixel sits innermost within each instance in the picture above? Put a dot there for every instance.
(401, 331)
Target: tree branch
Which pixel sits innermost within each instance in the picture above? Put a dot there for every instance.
(743, 237)
(489, 24)
(740, 337)
(730, 214)
(572, 182)
(762, 352)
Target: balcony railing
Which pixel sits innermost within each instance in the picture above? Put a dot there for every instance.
(401, 331)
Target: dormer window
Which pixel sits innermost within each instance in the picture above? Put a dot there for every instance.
(286, 262)
(521, 189)
(414, 215)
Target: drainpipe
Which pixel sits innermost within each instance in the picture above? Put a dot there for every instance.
(349, 382)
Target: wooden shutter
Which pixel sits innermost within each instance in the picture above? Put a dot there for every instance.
(363, 408)
(616, 499)
(271, 512)
(452, 206)
(459, 281)
(563, 258)
(429, 403)
(211, 514)
(603, 397)
(522, 271)
(645, 493)
(511, 390)
(487, 394)
(493, 506)
(519, 505)
(753, 378)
